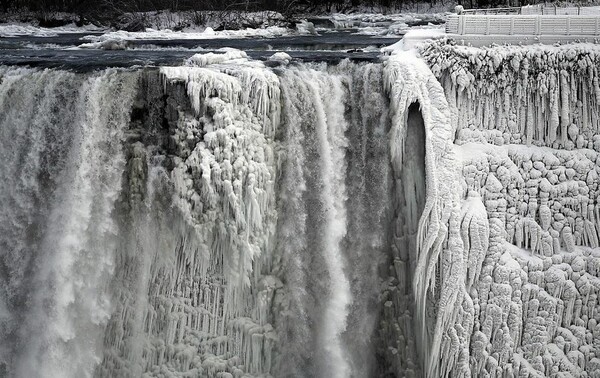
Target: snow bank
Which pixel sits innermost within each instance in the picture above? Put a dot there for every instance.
(227, 55)
(413, 39)
(15, 30)
(392, 25)
(206, 33)
(190, 21)
(109, 44)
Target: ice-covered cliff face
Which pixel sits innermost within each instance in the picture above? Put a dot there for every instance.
(424, 216)
(528, 143)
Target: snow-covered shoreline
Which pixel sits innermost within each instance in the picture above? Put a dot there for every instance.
(166, 25)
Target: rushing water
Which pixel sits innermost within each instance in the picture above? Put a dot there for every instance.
(61, 174)
(195, 221)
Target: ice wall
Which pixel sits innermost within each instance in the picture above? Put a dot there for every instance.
(254, 217)
(526, 121)
(202, 299)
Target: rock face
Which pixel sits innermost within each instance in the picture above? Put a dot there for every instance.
(526, 131)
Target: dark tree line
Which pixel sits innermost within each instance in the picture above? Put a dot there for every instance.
(109, 9)
(148, 5)
(141, 5)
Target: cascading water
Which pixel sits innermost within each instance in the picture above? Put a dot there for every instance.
(61, 147)
(326, 213)
(330, 273)
(218, 219)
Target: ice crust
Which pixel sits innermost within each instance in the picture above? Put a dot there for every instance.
(526, 140)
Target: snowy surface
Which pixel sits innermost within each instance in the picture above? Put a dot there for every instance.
(386, 24)
(207, 33)
(13, 30)
(413, 39)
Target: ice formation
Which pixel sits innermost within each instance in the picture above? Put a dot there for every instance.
(168, 34)
(432, 215)
(246, 282)
(526, 133)
(437, 282)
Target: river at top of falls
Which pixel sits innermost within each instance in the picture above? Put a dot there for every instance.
(204, 221)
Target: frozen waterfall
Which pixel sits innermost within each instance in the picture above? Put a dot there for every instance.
(432, 214)
(217, 218)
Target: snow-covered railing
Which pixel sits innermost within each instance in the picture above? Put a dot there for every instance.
(488, 11)
(536, 10)
(524, 25)
(541, 9)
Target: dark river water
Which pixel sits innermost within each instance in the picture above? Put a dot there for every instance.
(62, 51)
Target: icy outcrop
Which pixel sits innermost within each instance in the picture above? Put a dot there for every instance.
(202, 303)
(253, 231)
(527, 136)
(540, 95)
(438, 265)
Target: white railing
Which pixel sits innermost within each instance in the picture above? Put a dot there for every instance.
(542, 9)
(536, 10)
(487, 11)
(523, 25)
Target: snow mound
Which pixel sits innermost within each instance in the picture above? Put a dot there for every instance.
(413, 39)
(206, 33)
(280, 57)
(305, 27)
(16, 30)
(201, 60)
(109, 44)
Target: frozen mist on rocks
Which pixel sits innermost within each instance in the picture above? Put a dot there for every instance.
(431, 214)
